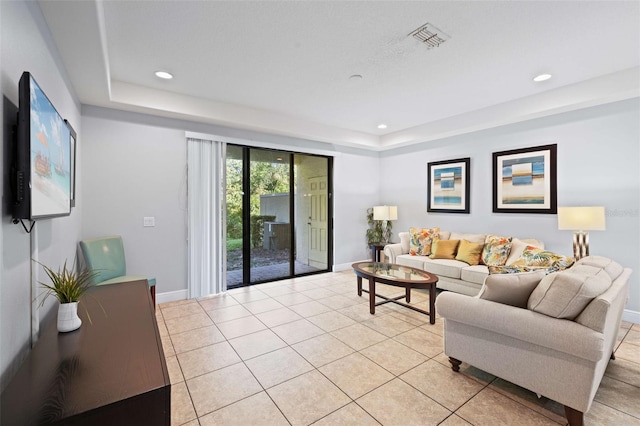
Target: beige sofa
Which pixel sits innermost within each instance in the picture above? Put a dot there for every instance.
(554, 345)
(452, 274)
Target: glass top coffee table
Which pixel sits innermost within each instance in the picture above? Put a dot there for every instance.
(399, 276)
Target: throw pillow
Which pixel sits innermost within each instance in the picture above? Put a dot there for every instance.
(565, 294)
(513, 269)
(421, 239)
(444, 249)
(496, 250)
(469, 252)
(518, 246)
(513, 289)
(533, 256)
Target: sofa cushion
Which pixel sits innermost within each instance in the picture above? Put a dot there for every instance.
(474, 274)
(532, 256)
(469, 252)
(413, 261)
(517, 247)
(496, 250)
(511, 289)
(565, 294)
(444, 249)
(450, 268)
(611, 267)
(421, 239)
(405, 240)
(474, 238)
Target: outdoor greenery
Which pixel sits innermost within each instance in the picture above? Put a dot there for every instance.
(265, 178)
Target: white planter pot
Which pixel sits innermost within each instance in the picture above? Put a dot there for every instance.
(68, 319)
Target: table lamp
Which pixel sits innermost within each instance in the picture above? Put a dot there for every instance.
(580, 220)
(384, 214)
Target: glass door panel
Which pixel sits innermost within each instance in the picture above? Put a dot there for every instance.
(270, 215)
(235, 212)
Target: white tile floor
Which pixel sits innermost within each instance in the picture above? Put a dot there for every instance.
(307, 351)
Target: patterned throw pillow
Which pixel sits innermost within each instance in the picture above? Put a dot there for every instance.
(421, 239)
(496, 250)
(537, 257)
(513, 269)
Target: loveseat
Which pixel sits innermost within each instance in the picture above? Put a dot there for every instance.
(454, 274)
(552, 334)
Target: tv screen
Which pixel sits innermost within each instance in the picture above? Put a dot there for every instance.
(43, 156)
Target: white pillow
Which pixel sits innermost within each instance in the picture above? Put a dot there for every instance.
(565, 294)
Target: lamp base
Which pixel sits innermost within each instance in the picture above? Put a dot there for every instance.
(580, 244)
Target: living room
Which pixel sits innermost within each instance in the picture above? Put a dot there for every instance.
(130, 156)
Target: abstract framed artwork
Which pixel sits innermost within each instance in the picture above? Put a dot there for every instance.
(524, 180)
(448, 186)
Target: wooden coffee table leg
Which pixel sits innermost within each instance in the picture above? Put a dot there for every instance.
(432, 303)
(372, 296)
(359, 286)
(407, 294)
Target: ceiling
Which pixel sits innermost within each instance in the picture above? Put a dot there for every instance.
(284, 67)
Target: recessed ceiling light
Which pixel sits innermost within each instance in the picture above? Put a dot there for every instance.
(542, 77)
(164, 74)
(382, 126)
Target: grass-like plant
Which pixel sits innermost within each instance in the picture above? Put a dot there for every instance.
(67, 285)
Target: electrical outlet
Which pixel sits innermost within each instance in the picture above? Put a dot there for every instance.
(149, 221)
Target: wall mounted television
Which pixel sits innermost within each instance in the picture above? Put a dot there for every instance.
(44, 151)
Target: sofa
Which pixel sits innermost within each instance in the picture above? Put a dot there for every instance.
(453, 274)
(552, 334)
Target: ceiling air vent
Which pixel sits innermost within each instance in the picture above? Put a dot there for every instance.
(430, 36)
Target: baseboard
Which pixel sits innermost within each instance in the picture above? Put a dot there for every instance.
(171, 296)
(347, 266)
(631, 316)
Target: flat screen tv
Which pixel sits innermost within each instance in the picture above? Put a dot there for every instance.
(43, 156)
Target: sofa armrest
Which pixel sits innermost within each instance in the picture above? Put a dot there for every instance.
(391, 251)
(522, 324)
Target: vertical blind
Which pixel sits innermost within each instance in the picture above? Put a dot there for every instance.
(206, 270)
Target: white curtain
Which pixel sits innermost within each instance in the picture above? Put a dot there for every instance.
(206, 209)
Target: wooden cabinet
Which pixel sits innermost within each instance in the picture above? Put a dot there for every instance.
(111, 371)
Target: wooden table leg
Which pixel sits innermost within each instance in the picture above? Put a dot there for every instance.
(372, 296)
(359, 286)
(432, 303)
(407, 294)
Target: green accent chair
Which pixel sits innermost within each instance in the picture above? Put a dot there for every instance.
(105, 256)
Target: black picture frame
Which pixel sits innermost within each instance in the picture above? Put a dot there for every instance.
(535, 190)
(73, 139)
(452, 194)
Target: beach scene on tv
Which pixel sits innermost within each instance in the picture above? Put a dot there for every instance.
(50, 158)
(523, 181)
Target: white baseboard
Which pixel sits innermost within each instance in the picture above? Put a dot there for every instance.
(171, 296)
(347, 266)
(631, 316)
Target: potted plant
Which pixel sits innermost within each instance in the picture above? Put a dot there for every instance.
(378, 232)
(67, 286)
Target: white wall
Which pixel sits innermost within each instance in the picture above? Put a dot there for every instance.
(598, 164)
(132, 171)
(26, 46)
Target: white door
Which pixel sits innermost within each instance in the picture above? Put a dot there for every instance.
(318, 225)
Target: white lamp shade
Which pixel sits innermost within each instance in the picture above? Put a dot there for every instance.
(581, 218)
(385, 212)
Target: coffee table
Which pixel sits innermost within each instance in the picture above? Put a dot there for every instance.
(399, 276)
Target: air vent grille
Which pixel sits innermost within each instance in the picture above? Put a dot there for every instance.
(430, 36)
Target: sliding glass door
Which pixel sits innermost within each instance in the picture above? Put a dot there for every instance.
(278, 214)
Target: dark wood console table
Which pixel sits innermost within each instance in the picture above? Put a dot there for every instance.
(108, 372)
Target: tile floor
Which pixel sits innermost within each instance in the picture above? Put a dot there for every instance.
(307, 351)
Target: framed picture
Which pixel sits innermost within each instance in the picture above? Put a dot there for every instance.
(524, 180)
(448, 186)
(72, 166)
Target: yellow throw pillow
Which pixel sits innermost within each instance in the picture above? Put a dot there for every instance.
(469, 252)
(444, 249)
(421, 239)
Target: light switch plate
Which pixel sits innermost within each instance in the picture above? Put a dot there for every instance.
(149, 221)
